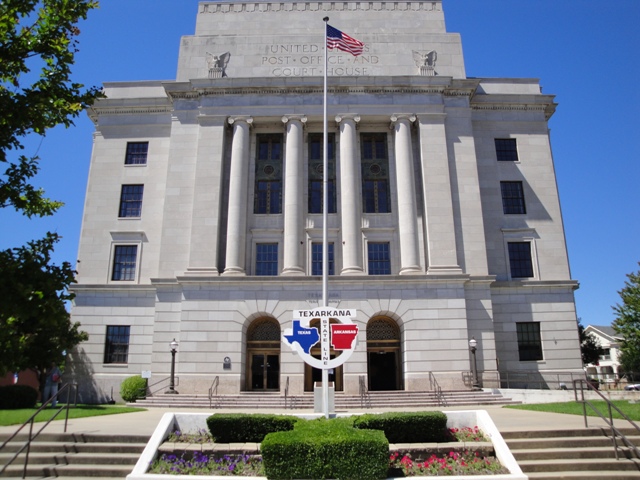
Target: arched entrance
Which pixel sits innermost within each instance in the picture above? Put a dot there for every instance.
(263, 355)
(384, 364)
(312, 375)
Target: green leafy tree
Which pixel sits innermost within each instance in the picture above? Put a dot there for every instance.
(38, 43)
(36, 327)
(36, 35)
(627, 323)
(589, 347)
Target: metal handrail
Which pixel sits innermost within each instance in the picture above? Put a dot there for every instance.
(68, 387)
(435, 386)
(213, 392)
(615, 432)
(147, 389)
(365, 398)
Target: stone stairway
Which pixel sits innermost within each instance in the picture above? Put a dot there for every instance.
(587, 454)
(74, 456)
(374, 400)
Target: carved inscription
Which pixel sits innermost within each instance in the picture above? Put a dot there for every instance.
(305, 60)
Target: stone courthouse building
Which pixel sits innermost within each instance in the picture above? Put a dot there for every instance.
(203, 218)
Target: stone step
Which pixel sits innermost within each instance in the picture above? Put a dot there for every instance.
(75, 471)
(582, 464)
(65, 447)
(92, 458)
(590, 475)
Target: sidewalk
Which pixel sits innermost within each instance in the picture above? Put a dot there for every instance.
(144, 423)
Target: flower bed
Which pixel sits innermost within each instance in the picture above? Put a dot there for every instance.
(422, 462)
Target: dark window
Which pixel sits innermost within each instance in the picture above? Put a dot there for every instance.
(520, 260)
(131, 201)
(268, 186)
(316, 172)
(316, 258)
(506, 149)
(529, 342)
(379, 259)
(116, 345)
(375, 173)
(136, 153)
(512, 197)
(267, 259)
(124, 262)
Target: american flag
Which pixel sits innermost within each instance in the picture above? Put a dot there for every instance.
(342, 41)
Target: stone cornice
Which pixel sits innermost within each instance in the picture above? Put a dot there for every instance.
(522, 103)
(289, 5)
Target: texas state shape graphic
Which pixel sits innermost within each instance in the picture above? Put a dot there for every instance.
(305, 337)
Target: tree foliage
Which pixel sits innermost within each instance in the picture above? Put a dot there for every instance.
(627, 322)
(36, 327)
(36, 36)
(38, 43)
(589, 347)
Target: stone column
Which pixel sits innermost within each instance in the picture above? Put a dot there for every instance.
(293, 196)
(438, 200)
(407, 210)
(237, 214)
(203, 259)
(351, 210)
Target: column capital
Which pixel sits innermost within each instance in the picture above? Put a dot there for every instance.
(301, 118)
(411, 117)
(347, 116)
(240, 118)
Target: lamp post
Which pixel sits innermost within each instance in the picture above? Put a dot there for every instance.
(474, 367)
(174, 349)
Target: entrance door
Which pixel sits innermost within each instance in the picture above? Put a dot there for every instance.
(384, 364)
(383, 371)
(265, 371)
(312, 375)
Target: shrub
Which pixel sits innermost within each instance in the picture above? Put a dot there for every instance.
(133, 388)
(407, 427)
(241, 427)
(325, 449)
(17, 396)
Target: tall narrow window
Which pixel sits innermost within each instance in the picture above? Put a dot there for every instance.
(520, 260)
(316, 258)
(136, 153)
(375, 173)
(268, 186)
(131, 201)
(529, 341)
(116, 345)
(506, 149)
(267, 259)
(125, 258)
(512, 197)
(316, 172)
(379, 258)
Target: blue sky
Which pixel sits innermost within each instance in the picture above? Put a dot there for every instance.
(583, 51)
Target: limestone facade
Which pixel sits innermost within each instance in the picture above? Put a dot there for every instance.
(444, 223)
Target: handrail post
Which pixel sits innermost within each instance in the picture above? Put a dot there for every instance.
(26, 458)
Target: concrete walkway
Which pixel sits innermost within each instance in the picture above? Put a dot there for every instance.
(144, 423)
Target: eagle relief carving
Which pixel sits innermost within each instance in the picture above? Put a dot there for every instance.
(217, 64)
(426, 62)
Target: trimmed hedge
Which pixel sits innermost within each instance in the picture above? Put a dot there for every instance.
(322, 449)
(17, 396)
(241, 427)
(407, 427)
(133, 388)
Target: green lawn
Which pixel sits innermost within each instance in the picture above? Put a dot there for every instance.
(631, 410)
(17, 417)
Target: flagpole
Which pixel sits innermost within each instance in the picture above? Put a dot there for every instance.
(325, 217)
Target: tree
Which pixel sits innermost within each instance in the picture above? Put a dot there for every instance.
(36, 327)
(38, 43)
(36, 35)
(627, 323)
(589, 347)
